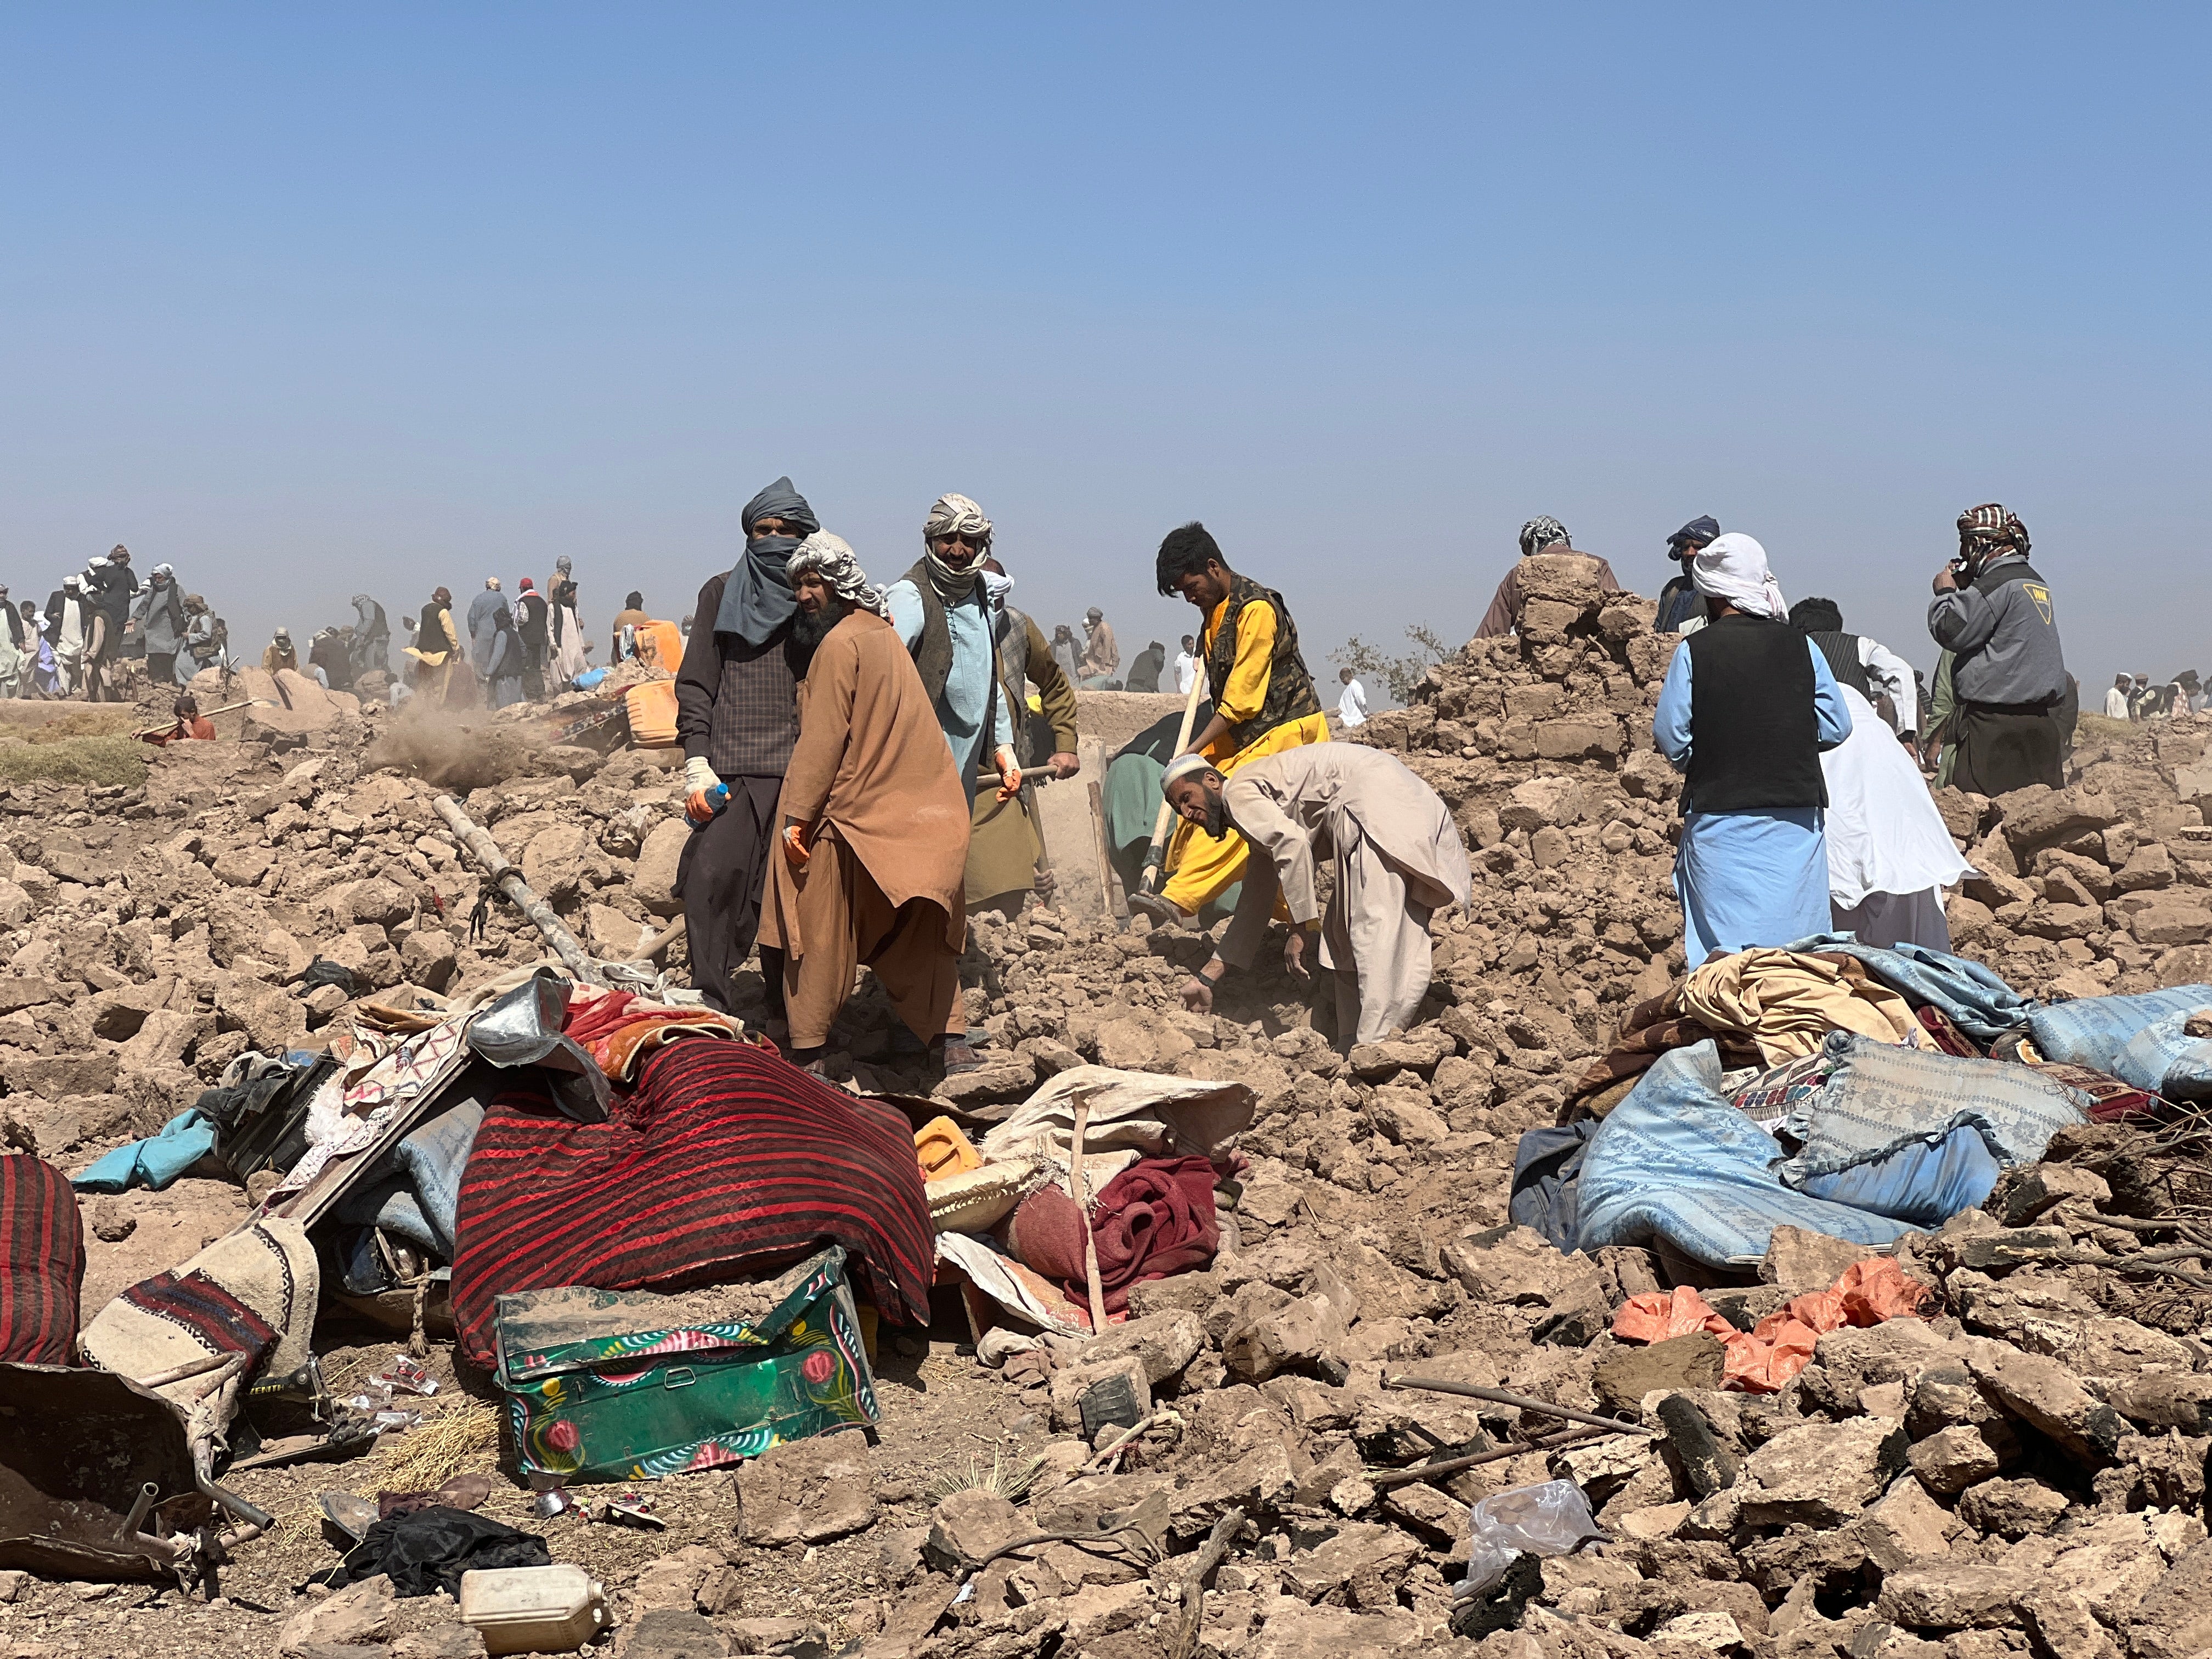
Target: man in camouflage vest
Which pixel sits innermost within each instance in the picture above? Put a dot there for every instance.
(1263, 699)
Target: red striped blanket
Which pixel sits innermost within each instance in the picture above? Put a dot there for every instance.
(41, 1263)
(724, 1163)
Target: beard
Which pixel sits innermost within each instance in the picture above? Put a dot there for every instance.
(810, 629)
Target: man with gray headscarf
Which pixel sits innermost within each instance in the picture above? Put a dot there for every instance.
(737, 713)
(483, 629)
(161, 616)
(1539, 535)
(942, 611)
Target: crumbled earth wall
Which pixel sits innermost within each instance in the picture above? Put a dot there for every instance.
(2023, 1473)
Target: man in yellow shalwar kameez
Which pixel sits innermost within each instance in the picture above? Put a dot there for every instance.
(1264, 702)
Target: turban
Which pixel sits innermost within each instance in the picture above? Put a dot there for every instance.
(828, 554)
(1988, 530)
(956, 515)
(1182, 766)
(756, 595)
(1733, 567)
(528, 586)
(1537, 534)
(1699, 530)
(164, 570)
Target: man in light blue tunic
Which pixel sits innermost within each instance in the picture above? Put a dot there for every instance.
(941, 611)
(1748, 706)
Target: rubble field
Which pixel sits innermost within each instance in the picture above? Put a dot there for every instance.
(2021, 1471)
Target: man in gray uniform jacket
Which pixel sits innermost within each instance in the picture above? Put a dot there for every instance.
(2008, 672)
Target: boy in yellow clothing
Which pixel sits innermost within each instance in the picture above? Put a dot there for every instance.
(1263, 698)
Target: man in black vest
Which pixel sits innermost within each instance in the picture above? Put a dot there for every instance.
(2008, 672)
(1867, 666)
(737, 713)
(1748, 708)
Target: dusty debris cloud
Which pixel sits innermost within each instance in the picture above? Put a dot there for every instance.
(2020, 1470)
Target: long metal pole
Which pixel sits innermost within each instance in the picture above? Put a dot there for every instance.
(509, 880)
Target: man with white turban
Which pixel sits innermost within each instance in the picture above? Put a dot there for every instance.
(942, 611)
(1748, 707)
(874, 825)
(1396, 858)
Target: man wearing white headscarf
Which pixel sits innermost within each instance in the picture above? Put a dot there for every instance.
(942, 611)
(1748, 707)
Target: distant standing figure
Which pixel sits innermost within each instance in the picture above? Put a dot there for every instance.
(1101, 656)
(372, 638)
(330, 656)
(70, 627)
(1541, 535)
(2116, 700)
(1351, 707)
(1066, 653)
(437, 645)
(17, 648)
(571, 655)
(1145, 672)
(503, 671)
(1187, 666)
(161, 623)
(41, 679)
(532, 628)
(1679, 602)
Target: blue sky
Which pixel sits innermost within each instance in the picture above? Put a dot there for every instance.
(308, 300)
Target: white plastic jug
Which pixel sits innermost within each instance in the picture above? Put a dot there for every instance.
(533, 1609)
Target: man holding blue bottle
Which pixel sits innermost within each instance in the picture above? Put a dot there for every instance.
(737, 715)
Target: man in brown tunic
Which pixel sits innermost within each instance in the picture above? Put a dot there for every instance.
(875, 823)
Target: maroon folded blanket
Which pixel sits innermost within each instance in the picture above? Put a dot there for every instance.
(41, 1263)
(727, 1162)
(1154, 1219)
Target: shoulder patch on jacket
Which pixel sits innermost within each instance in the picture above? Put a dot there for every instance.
(2041, 595)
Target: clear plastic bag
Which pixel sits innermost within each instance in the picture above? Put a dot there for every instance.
(1550, 1519)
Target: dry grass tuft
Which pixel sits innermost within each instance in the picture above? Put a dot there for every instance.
(462, 1437)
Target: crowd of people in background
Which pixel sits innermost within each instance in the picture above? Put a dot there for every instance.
(826, 832)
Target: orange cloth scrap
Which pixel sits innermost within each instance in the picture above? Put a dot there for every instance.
(1764, 1358)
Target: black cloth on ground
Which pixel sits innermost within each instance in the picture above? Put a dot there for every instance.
(1547, 1168)
(427, 1550)
(322, 971)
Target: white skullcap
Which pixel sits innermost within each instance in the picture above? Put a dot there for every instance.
(1181, 767)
